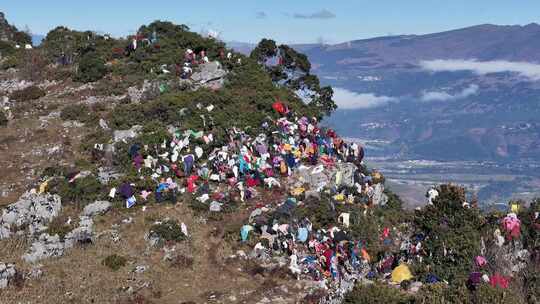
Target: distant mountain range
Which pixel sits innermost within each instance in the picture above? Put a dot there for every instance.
(465, 94)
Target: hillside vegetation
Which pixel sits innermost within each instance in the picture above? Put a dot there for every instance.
(90, 113)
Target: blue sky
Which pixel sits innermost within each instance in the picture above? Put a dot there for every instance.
(284, 20)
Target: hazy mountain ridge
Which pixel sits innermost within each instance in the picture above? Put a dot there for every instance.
(485, 115)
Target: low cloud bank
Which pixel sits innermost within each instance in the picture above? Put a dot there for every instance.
(428, 96)
(348, 100)
(528, 70)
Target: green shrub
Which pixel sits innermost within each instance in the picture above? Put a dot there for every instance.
(27, 94)
(169, 230)
(82, 191)
(449, 226)
(485, 293)
(376, 293)
(6, 49)
(78, 112)
(3, 119)
(441, 293)
(114, 262)
(318, 211)
(91, 68)
(11, 61)
(58, 226)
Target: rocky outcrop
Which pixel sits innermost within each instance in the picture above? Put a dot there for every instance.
(84, 234)
(210, 75)
(32, 210)
(48, 246)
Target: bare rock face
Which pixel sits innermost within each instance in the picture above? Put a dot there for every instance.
(32, 210)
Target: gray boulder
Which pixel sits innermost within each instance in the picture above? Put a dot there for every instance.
(46, 246)
(97, 207)
(33, 210)
(209, 75)
(83, 234)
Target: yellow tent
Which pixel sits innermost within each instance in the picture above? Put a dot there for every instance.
(401, 273)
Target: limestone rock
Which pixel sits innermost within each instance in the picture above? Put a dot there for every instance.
(122, 135)
(83, 234)
(210, 75)
(45, 246)
(33, 210)
(97, 207)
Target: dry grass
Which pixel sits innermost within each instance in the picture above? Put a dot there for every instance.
(80, 277)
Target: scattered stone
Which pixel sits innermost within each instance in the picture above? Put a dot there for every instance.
(97, 207)
(170, 253)
(54, 150)
(415, 287)
(103, 124)
(72, 124)
(105, 175)
(140, 269)
(35, 272)
(123, 135)
(7, 272)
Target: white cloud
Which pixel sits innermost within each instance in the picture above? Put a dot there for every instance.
(322, 14)
(347, 100)
(524, 69)
(445, 96)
